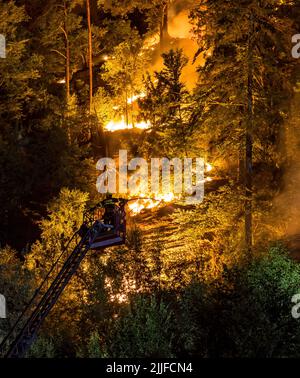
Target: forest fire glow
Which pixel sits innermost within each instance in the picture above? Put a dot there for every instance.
(208, 167)
(123, 125)
(134, 98)
(150, 199)
(122, 295)
(143, 203)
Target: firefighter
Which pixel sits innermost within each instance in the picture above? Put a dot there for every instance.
(109, 205)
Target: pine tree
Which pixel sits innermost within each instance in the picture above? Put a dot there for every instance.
(168, 106)
(243, 82)
(124, 73)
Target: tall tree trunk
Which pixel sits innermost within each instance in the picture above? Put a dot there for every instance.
(67, 64)
(90, 54)
(67, 46)
(241, 167)
(249, 144)
(164, 21)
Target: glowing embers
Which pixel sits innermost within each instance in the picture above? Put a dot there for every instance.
(122, 295)
(123, 125)
(208, 167)
(138, 205)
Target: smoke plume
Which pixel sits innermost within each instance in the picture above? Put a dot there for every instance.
(179, 37)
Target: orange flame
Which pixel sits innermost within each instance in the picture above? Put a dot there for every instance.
(208, 167)
(133, 98)
(141, 204)
(122, 125)
(137, 206)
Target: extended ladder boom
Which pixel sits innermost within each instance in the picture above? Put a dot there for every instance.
(24, 332)
(46, 297)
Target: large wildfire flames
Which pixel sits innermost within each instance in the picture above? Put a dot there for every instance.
(180, 36)
(123, 125)
(142, 203)
(146, 202)
(134, 98)
(179, 33)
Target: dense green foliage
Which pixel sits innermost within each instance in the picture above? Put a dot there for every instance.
(232, 317)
